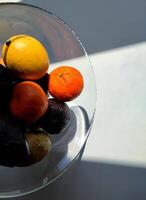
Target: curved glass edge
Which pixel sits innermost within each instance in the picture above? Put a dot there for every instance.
(20, 193)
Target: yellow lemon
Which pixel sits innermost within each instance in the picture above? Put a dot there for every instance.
(26, 56)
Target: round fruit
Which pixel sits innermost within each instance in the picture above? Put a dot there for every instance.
(26, 56)
(6, 87)
(28, 102)
(56, 117)
(13, 148)
(43, 82)
(65, 83)
(39, 145)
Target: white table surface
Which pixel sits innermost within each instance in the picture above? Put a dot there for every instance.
(119, 131)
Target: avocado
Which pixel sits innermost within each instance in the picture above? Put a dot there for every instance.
(56, 117)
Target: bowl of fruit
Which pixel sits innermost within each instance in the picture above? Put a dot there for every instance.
(47, 98)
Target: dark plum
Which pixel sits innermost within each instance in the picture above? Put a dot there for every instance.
(43, 82)
(13, 147)
(7, 83)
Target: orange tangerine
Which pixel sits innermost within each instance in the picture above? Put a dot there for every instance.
(65, 83)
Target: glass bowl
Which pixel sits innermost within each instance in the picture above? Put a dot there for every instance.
(64, 48)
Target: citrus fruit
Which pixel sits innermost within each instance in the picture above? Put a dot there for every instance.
(65, 83)
(28, 102)
(26, 56)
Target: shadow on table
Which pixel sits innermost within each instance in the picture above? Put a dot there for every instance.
(101, 24)
(96, 181)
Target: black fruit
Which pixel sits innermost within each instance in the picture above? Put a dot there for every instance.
(13, 148)
(6, 86)
(39, 144)
(43, 82)
(56, 117)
